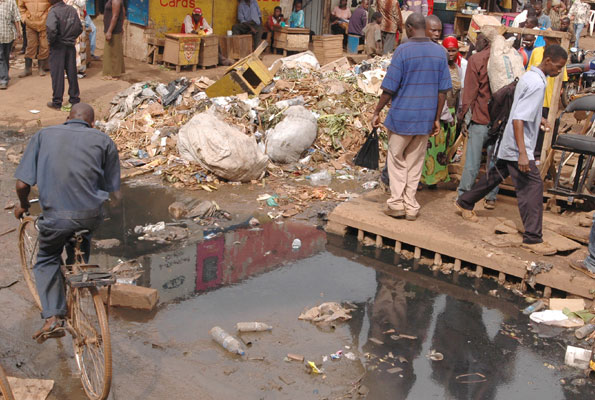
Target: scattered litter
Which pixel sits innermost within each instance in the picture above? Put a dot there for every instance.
(326, 312)
(402, 359)
(297, 243)
(313, 368)
(370, 185)
(388, 332)
(556, 318)
(161, 232)
(474, 377)
(34, 111)
(537, 306)
(10, 205)
(435, 356)
(394, 370)
(577, 357)
(253, 222)
(350, 356)
(570, 304)
(286, 380)
(177, 210)
(377, 341)
(227, 341)
(534, 269)
(295, 357)
(322, 178)
(253, 327)
(337, 355)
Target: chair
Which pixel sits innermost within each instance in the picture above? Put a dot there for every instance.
(583, 145)
(591, 21)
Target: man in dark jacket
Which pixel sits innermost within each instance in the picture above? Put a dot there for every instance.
(63, 27)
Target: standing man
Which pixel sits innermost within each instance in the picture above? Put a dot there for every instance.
(9, 31)
(63, 28)
(392, 24)
(249, 21)
(475, 116)
(416, 83)
(75, 167)
(34, 14)
(433, 28)
(544, 20)
(579, 14)
(417, 6)
(92, 36)
(359, 20)
(113, 49)
(557, 13)
(515, 153)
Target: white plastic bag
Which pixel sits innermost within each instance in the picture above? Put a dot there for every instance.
(294, 134)
(221, 148)
(505, 63)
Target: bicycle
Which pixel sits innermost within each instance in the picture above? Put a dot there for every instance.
(86, 318)
(5, 390)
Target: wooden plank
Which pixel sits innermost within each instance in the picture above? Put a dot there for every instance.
(326, 17)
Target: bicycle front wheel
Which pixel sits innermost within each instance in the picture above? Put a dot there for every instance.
(92, 344)
(5, 390)
(28, 246)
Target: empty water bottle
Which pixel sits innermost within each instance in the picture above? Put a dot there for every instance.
(585, 331)
(538, 305)
(228, 342)
(253, 327)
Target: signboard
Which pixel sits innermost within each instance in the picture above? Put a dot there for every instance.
(138, 12)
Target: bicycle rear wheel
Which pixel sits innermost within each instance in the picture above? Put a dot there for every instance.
(5, 390)
(28, 246)
(92, 346)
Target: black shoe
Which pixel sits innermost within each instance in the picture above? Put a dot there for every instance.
(54, 106)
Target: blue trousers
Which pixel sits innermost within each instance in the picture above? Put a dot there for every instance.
(590, 260)
(478, 135)
(54, 235)
(93, 36)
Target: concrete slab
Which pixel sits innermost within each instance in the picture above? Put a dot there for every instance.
(441, 230)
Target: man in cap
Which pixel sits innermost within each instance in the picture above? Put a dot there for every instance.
(196, 23)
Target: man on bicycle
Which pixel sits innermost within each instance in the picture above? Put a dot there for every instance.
(75, 167)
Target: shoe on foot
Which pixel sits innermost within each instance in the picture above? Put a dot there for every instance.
(384, 187)
(54, 106)
(3, 86)
(394, 213)
(543, 248)
(52, 328)
(95, 58)
(468, 215)
(579, 265)
(411, 217)
(489, 204)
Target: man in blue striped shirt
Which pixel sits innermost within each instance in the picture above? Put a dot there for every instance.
(416, 83)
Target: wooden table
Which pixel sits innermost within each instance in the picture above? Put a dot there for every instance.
(462, 22)
(291, 39)
(208, 55)
(181, 49)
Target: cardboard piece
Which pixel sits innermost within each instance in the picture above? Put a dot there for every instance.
(30, 389)
(571, 304)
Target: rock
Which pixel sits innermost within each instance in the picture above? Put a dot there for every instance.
(130, 296)
(106, 243)
(177, 210)
(155, 109)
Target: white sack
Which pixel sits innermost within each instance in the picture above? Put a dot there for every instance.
(294, 134)
(505, 64)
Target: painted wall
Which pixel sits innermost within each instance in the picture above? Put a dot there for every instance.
(168, 15)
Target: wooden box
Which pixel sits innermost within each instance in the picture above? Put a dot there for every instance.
(181, 49)
(291, 39)
(328, 48)
(236, 46)
(209, 51)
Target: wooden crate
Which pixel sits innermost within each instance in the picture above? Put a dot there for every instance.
(328, 48)
(208, 55)
(155, 49)
(235, 47)
(291, 39)
(181, 49)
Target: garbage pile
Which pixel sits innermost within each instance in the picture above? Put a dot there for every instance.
(306, 125)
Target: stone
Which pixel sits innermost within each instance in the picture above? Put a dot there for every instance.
(131, 296)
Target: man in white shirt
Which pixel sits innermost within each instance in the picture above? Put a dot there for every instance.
(196, 23)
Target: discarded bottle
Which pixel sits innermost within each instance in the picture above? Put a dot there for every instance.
(538, 305)
(585, 331)
(297, 243)
(228, 342)
(253, 327)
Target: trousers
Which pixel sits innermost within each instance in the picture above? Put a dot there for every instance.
(63, 58)
(93, 35)
(54, 235)
(529, 193)
(5, 49)
(37, 44)
(244, 28)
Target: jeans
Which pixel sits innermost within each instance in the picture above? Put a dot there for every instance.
(590, 260)
(93, 36)
(578, 28)
(54, 235)
(478, 134)
(4, 61)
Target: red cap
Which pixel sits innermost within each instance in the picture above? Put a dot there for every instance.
(197, 11)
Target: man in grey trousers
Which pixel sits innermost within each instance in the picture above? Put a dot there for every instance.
(75, 167)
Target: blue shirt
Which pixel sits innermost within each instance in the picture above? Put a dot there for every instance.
(527, 107)
(248, 13)
(296, 20)
(417, 72)
(75, 168)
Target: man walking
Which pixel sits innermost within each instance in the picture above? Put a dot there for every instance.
(34, 14)
(9, 30)
(392, 24)
(359, 20)
(249, 21)
(515, 153)
(63, 27)
(476, 97)
(416, 83)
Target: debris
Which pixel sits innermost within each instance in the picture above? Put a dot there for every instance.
(388, 332)
(350, 356)
(577, 357)
(570, 304)
(253, 222)
(292, 136)
(297, 243)
(537, 306)
(131, 296)
(402, 336)
(161, 232)
(402, 359)
(10, 205)
(106, 243)
(295, 357)
(304, 62)
(394, 370)
(204, 209)
(556, 318)
(285, 380)
(272, 201)
(177, 210)
(370, 185)
(30, 389)
(313, 368)
(534, 269)
(227, 341)
(325, 313)
(6, 232)
(377, 341)
(253, 327)
(34, 111)
(322, 178)
(435, 356)
(474, 377)
(337, 355)
(585, 331)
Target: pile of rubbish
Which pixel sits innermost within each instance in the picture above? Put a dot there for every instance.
(306, 125)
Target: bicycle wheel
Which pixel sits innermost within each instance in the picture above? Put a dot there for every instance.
(28, 245)
(5, 390)
(92, 344)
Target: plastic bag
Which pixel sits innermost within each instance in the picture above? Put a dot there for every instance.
(295, 133)
(368, 155)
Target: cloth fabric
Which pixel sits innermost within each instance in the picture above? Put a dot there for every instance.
(244, 29)
(536, 59)
(107, 18)
(9, 15)
(63, 25)
(5, 49)
(342, 15)
(358, 21)
(201, 25)
(75, 168)
(464, 64)
(417, 6)
(405, 162)
(527, 107)
(555, 17)
(249, 13)
(34, 13)
(529, 193)
(272, 22)
(389, 41)
(54, 235)
(477, 137)
(373, 35)
(435, 168)
(578, 29)
(580, 11)
(296, 20)
(477, 93)
(590, 260)
(63, 58)
(37, 44)
(417, 73)
(81, 41)
(93, 34)
(544, 21)
(113, 56)
(391, 15)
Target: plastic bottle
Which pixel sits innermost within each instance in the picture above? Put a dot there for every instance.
(538, 305)
(253, 327)
(228, 342)
(322, 178)
(585, 331)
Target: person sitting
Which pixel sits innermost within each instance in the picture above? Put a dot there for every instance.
(373, 35)
(296, 20)
(359, 20)
(340, 20)
(275, 19)
(196, 23)
(249, 21)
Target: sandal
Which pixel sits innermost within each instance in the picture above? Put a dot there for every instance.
(54, 330)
